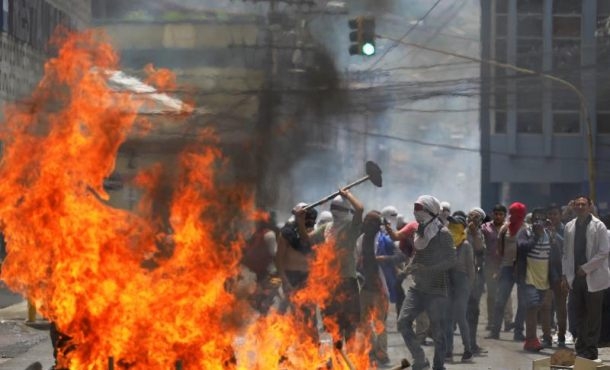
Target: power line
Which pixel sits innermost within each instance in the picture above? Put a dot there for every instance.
(405, 35)
(465, 149)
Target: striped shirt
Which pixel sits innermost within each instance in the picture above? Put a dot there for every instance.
(537, 273)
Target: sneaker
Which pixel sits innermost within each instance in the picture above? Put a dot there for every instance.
(518, 337)
(478, 351)
(493, 335)
(561, 341)
(425, 365)
(547, 342)
(532, 345)
(467, 356)
(382, 357)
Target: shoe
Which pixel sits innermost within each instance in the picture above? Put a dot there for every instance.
(532, 345)
(493, 335)
(518, 337)
(561, 341)
(382, 357)
(547, 342)
(467, 356)
(478, 351)
(508, 326)
(425, 365)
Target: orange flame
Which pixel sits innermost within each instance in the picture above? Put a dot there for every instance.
(97, 272)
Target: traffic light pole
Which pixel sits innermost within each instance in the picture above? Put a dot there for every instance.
(584, 107)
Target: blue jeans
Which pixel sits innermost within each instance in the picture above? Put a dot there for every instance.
(506, 281)
(434, 305)
(459, 293)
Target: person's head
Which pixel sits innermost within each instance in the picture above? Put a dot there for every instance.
(553, 213)
(390, 214)
(582, 206)
(476, 216)
(538, 216)
(517, 212)
(325, 217)
(445, 211)
(499, 214)
(340, 209)
(310, 216)
(457, 227)
(371, 223)
(426, 208)
(400, 222)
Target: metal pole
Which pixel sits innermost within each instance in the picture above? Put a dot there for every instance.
(179, 365)
(584, 106)
(110, 363)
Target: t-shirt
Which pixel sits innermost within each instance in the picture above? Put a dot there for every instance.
(537, 273)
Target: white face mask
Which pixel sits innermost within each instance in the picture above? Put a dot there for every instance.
(422, 216)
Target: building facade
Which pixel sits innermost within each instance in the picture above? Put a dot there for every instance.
(534, 131)
(25, 29)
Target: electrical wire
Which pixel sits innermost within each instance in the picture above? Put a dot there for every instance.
(405, 35)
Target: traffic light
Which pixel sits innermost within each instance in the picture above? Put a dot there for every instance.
(362, 35)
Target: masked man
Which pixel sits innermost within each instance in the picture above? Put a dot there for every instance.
(434, 257)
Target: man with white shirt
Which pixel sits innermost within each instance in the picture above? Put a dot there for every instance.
(586, 273)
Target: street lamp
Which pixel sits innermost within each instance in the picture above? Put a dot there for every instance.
(583, 101)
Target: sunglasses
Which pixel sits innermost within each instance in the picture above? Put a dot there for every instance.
(418, 207)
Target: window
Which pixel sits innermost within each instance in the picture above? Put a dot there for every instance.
(566, 123)
(5, 15)
(603, 122)
(564, 99)
(566, 54)
(502, 6)
(499, 126)
(529, 123)
(529, 6)
(529, 53)
(603, 7)
(566, 26)
(567, 6)
(529, 25)
(529, 94)
(500, 97)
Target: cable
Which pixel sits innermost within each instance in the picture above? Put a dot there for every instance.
(405, 35)
(465, 149)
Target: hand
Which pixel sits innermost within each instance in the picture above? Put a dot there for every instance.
(581, 272)
(299, 212)
(345, 193)
(494, 276)
(414, 268)
(538, 229)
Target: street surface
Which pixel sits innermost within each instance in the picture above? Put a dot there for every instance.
(21, 345)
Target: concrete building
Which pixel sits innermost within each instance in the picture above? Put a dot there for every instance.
(534, 135)
(25, 28)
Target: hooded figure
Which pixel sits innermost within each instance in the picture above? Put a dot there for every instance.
(341, 211)
(324, 218)
(517, 212)
(390, 214)
(445, 212)
(426, 211)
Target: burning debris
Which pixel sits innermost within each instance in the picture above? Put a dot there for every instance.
(86, 266)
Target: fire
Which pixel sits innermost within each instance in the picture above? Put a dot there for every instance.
(97, 271)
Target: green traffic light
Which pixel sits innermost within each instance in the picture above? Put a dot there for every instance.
(368, 49)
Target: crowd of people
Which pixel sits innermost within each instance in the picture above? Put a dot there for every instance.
(436, 268)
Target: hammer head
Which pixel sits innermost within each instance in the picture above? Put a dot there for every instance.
(374, 173)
